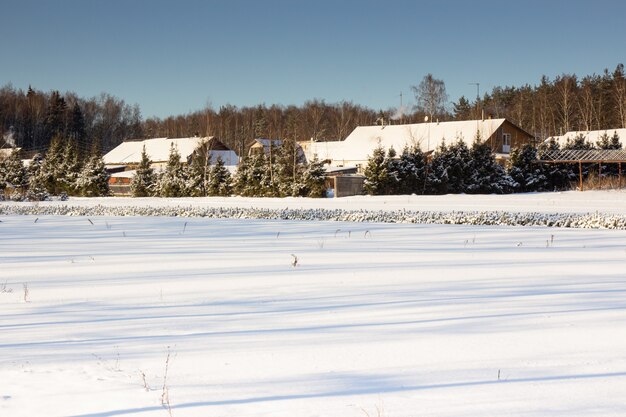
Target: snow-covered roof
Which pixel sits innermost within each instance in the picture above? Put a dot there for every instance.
(158, 150)
(428, 136)
(591, 136)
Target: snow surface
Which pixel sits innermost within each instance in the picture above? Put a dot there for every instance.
(360, 144)
(394, 320)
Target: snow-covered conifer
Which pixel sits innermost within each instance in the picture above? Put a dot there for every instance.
(220, 183)
(411, 170)
(94, 179)
(376, 172)
(171, 182)
(142, 184)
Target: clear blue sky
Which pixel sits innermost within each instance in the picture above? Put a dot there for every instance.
(173, 57)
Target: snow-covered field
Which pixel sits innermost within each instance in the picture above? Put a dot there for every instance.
(396, 320)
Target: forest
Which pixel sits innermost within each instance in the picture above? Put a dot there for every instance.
(30, 119)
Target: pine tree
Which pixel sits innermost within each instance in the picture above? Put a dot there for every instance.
(171, 182)
(69, 170)
(51, 167)
(411, 171)
(615, 142)
(142, 184)
(287, 166)
(196, 178)
(36, 180)
(527, 174)
(94, 179)
(437, 178)
(243, 176)
(579, 143)
(14, 175)
(451, 169)
(220, 183)
(313, 180)
(376, 172)
(487, 176)
(392, 186)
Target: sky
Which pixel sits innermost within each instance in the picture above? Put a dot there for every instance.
(176, 57)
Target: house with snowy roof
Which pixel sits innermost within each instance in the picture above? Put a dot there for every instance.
(266, 146)
(500, 134)
(128, 153)
(122, 161)
(590, 136)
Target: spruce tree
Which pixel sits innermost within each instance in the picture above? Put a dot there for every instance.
(36, 182)
(527, 174)
(94, 179)
(437, 179)
(51, 167)
(171, 182)
(392, 186)
(243, 176)
(411, 171)
(142, 184)
(487, 176)
(313, 180)
(70, 169)
(220, 183)
(14, 175)
(376, 172)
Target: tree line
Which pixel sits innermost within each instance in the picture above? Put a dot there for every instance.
(30, 119)
(279, 173)
(457, 168)
(63, 172)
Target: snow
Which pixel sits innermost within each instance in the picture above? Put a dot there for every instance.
(392, 319)
(591, 136)
(427, 136)
(158, 150)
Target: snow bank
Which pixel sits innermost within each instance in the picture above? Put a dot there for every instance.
(482, 218)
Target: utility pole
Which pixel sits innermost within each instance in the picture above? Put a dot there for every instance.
(478, 108)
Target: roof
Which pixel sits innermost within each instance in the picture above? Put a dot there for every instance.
(266, 143)
(428, 136)
(158, 150)
(591, 136)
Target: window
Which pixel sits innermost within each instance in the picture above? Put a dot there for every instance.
(506, 142)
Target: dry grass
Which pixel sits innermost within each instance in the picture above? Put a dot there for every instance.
(604, 182)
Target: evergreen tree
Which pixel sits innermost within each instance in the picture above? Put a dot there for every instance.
(437, 179)
(76, 129)
(411, 171)
(459, 167)
(376, 172)
(579, 143)
(171, 182)
(313, 179)
(523, 169)
(69, 170)
(462, 110)
(487, 176)
(51, 167)
(36, 180)
(243, 177)
(14, 175)
(94, 179)
(55, 117)
(220, 183)
(144, 180)
(615, 142)
(288, 161)
(392, 186)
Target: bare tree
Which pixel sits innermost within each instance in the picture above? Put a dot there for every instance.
(619, 93)
(431, 96)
